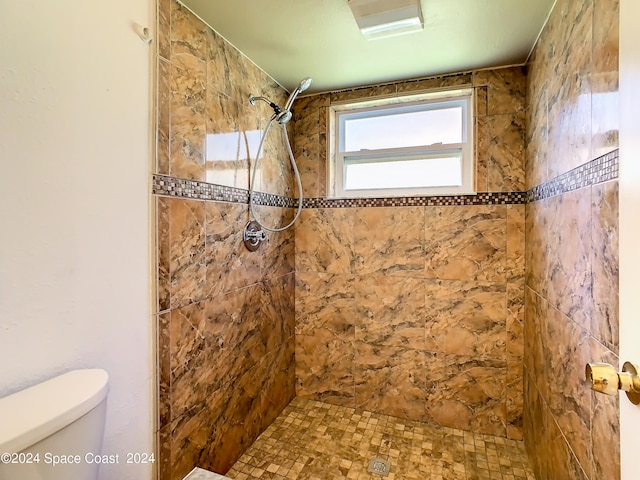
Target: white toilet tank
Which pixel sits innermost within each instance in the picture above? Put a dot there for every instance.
(54, 430)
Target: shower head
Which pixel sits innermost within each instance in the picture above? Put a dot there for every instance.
(304, 84)
(284, 117)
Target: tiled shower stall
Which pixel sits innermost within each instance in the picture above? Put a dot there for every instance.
(469, 312)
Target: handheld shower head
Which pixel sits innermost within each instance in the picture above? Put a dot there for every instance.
(304, 84)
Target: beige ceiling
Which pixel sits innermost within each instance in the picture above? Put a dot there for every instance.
(294, 39)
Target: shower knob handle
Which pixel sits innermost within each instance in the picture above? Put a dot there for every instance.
(604, 378)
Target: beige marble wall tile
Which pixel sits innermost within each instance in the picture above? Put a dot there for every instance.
(307, 153)
(466, 243)
(562, 463)
(164, 28)
(536, 314)
(466, 318)
(277, 313)
(605, 264)
(163, 254)
(505, 152)
(569, 250)
(415, 86)
(482, 139)
(229, 265)
(267, 156)
(515, 282)
(325, 369)
(187, 251)
(163, 112)
(569, 127)
(238, 418)
(275, 218)
(506, 89)
(325, 305)
(238, 412)
(320, 100)
(310, 120)
(164, 453)
(467, 393)
(226, 155)
(163, 326)
(570, 100)
(390, 311)
(277, 175)
(278, 254)
(188, 355)
(186, 338)
(516, 245)
(323, 119)
(535, 427)
(190, 435)
(282, 296)
(481, 106)
(235, 331)
(605, 422)
(278, 386)
(307, 115)
(537, 225)
(566, 352)
(604, 77)
(390, 380)
(324, 241)
(243, 76)
(218, 69)
(188, 117)
(515, 321)
(364, 93)
(537, 129)
(322, 164)
(389, 240)
(514, 400)
(188, 33)
(221, 449)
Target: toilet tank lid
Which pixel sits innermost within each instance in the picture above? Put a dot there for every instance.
(33, 414)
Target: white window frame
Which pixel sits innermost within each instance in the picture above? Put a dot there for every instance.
(430, 101)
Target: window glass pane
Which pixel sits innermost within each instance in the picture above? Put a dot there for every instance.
(409, 129)
(427, 172)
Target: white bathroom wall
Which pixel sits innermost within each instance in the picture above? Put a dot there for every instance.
(74, 206)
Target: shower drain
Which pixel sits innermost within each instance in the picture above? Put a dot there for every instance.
(379, 467)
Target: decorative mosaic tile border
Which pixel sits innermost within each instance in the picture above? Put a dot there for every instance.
(196, 190)
(490, 198)
(600, 170)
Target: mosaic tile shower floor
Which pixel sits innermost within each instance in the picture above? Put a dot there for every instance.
(317, 441)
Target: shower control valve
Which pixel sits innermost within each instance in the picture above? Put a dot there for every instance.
(253, 235)
(259, 235)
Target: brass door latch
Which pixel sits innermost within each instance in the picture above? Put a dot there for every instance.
(603, 378)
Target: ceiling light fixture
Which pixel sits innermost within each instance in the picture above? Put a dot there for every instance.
(386, 18)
